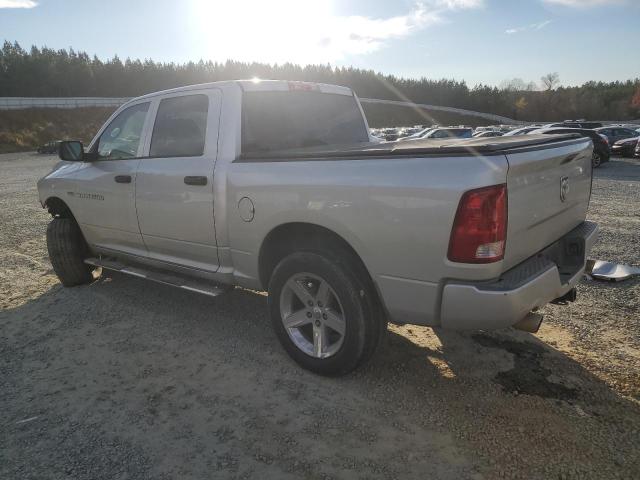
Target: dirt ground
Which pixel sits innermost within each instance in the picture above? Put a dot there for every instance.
(124, 379)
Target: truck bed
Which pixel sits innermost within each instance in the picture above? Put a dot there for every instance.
(447, 147)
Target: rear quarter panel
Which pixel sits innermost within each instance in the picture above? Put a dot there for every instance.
(396, 213)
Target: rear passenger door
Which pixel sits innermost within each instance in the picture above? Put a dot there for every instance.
(174, 183)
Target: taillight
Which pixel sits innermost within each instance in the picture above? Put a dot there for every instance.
(479, 230)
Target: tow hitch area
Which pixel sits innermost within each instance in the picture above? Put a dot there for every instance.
(570, 296)
(530, 323)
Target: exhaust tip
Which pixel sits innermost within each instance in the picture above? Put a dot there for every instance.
(530, 323)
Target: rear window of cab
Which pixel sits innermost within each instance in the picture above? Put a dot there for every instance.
(277, 120)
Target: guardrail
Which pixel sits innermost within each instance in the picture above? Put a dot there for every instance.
(18, 103)
(21, 103)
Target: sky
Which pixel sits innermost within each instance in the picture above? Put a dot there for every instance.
(479, 41)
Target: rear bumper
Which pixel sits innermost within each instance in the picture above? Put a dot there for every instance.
(534, 283)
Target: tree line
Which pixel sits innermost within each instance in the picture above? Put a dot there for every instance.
(45, 72)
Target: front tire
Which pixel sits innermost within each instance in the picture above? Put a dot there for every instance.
(322, 313)
(67, 252)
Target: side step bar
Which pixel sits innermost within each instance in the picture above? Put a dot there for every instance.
(175, 280)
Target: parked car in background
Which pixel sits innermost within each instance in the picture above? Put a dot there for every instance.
(601, 150)
(49, 147)
(488, 133)
(522, 131)
(637, 152)
(408, 131)
(419, 134)
(388, 134)
(614, 134)
(626, 147)
(574, 124)
(450, 132)
(488, 128)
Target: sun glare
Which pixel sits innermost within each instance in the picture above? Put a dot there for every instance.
(253, 30)
(282, 31)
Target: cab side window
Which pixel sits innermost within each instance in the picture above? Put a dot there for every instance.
(180, 127)
(121, 139)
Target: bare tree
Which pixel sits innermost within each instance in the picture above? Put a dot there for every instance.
(550, 81)
(635, 100)
(517, 85)
(513, 85)
(532, 87)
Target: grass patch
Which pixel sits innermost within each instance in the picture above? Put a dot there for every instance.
(26, 130)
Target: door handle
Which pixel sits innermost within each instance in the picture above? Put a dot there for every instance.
(123, 179)
(195, 180)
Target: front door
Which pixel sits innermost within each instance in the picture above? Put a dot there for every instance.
(174, 184)
(105, 189)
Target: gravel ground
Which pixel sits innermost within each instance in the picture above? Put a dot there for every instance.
(125, 379)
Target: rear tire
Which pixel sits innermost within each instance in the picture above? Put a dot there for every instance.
(67, 252)
(596, 160)
(353, 328)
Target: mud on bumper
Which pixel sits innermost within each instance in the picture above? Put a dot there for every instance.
(535, 282)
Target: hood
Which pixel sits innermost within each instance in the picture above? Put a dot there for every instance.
(627, 140)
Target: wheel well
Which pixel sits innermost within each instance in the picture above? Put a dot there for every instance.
(292, 237)
(57, 208)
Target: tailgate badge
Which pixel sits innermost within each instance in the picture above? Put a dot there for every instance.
(564, 188)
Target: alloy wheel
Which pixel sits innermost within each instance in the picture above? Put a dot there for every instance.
(312, 315)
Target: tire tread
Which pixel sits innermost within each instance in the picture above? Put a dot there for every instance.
(67, 251)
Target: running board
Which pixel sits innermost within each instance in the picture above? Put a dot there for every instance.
(186, 283)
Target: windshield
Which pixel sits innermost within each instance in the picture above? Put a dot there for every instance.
(286, 120)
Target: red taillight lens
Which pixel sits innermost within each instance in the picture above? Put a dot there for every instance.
(480, 227)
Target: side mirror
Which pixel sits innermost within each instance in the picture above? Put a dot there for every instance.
(71, 151)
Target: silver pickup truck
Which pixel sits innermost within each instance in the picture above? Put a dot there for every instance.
(277, 186)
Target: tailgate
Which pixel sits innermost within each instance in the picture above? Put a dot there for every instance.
(549, 188)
